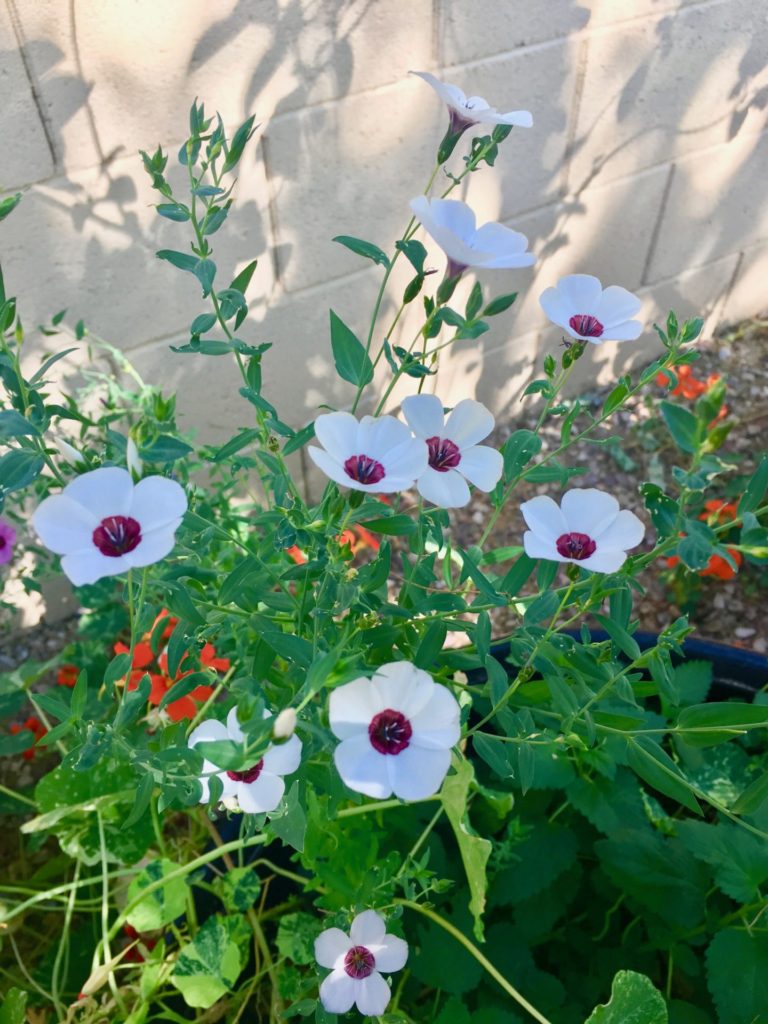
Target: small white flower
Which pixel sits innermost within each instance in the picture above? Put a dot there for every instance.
(133, 459)
(587, 528)
(465, 111)
(374, 454)
(452, 225)
(259, 788)
(104, 525)
(580, 305)
(356, 961)
(69, 453)
(396, 732)
(454, 454)
(285, 724)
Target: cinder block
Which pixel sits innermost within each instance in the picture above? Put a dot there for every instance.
(26, 154)
(663, 87)
(141, 65)
(486, 27)
(614, 12)
(529, 170)
(749, 296)
(86, 243)
(349, 168)
(717, 204)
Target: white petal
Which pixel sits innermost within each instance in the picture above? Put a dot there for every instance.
(85, 567)
(352, 706)
(391, 954)
(408, 459)
(157, 502)
(588, 510)
(544, 517)
(424, 415)
(153, 547)
(450, 94)
(262, 795)
(207, 732)
(283, 758)
(508, 261)
(580, 293)
(604, 561)
(457, 248)
(381, 437)
(337, 992)
(626, 531)
(446, 490)
(436, 724)
(372, 995)
(337, 433)
(234, 731)
(499, 240)
(468, 423)
(362, 768)
(616, 306)
(537, 546)
(629, 331)
(456, 216)
(517, 118)
(367, 928)
(64, 525)
(416, 773)
(403, 687)
(551, 301)
(331, 946)
(482, 466)
(104, 492)
(334, 469)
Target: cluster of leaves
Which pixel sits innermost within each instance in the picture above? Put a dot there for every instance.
(601, 835)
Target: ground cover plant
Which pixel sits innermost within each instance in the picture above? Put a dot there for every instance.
(268, 785)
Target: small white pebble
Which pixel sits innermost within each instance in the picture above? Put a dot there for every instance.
(761, 646)
(742, 632)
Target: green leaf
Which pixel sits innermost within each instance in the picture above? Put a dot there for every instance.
(391, 526)
(414, 252)
(518, 450)
(13, 424)
(165, 448)
(474, 850)
(362, 248)
(738, 858)
(239, 889)
(14, 1008)
(205, 272)
(236, 444)
(299, 439)
(615, 398)
(237, 145)
(173, 211)
(753, 797)
(705, 725)
(755, 490)
(209, 966)
(296, 936)
(535, 863)
(474, 302)
(9, 204)
(657, 768)
(353, 363)
(498, 305)
(182, 260)
(634, 1000)
(18, 468)
(291, 824)
(202, 323)
(692, 681)
(161, 906)
(683, 426)
(736, 976)
(243, 279)
(623, 640)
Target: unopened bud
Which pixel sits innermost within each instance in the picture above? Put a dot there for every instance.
(460, 678)
(285, 724)
(69, 454)
(135, 465)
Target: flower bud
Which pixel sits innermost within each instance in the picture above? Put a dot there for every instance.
(135, 465)
(285, 724)
(69, 453)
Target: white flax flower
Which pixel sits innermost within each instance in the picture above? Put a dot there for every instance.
(581, 306)
(465, 111)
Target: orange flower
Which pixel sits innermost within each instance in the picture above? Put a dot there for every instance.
(296, 554)
(716, 512)
(719, 511)
(691, 387)
(38, 730)
(67, 675)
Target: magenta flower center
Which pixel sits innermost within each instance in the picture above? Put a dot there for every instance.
(364, 469)
(117, 535)
(389, 732)
(359, 962)
(443, 454)
(577, 546)
(249, 775)
(585, 325)
(3, 541)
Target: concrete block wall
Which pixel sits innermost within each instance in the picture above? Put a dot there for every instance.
(645, 165)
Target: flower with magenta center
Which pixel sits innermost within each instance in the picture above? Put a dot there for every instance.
(464, 111)
(580, 305)
(587, 528)
(453, 226)
(396, 731)
(7, 540)
(259, 787)
(104, 525)
(379, 455)
(355, 962)
(454, 457)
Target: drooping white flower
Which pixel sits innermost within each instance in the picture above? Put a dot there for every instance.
(465, 111)
(587, 528)
(133, 459)
(580, 305)
(258, 788)
(452, 225)
(356, 961)
(285, 724)
(455, 457)
(104, 525)
(69, 453)
(396, 732)
(373, 454)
